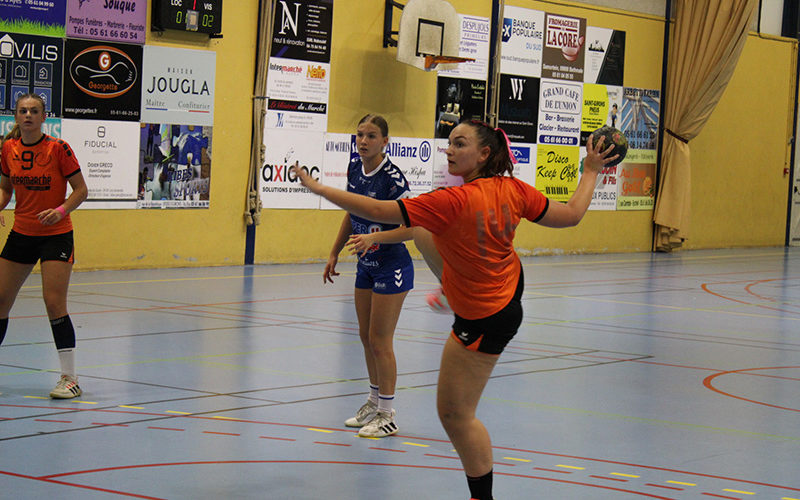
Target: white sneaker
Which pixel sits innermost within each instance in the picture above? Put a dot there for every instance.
(66, 388)
(381, 425)
(363, 415)
(438, 302)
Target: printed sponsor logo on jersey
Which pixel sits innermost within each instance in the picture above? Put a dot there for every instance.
(32, 182)
(103, 71)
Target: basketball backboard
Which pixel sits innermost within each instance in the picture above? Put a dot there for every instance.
(428, 28)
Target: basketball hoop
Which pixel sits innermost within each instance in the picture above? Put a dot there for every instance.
(431, 61)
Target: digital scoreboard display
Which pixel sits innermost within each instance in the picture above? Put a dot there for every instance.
(202, 16)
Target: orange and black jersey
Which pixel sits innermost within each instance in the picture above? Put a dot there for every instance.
(39, 173)
(473, 227)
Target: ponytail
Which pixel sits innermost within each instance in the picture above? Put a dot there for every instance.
(500, 160)
(13, 134)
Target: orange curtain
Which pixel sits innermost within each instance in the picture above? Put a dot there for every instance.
(707, 40)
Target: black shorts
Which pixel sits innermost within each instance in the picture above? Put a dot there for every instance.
(490, 335)
(24, 249)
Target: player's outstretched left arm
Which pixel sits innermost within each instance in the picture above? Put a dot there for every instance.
(387, 211)
(570, 213)
(360, 243)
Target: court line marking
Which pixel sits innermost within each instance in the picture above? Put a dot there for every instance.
(681, 483)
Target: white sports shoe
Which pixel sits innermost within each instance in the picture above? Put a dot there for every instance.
(363, 415)
(381, 425)
(66, 388)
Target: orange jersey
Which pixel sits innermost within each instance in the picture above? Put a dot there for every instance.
(39, 174)
(473, 227)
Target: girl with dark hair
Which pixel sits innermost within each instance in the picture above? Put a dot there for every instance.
(473, 228)
(37, 167)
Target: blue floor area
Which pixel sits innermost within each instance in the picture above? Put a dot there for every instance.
(672, 376)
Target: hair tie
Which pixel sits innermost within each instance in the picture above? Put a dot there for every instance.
(508, 145)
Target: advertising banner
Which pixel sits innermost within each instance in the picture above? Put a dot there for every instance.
(284, 148)
(635, 185)
(525, 168)
(302, 30)
(108, 159)
(601, 105)
(518, 110)
(298, 94)
(604, 196)
(28, 64)
(178, 86)
(102, 81)
(605, 56)
(639, 117)
(174, 166)
(414, 157)
(522, 45)
(441, 176)
(340, 149)
(458, 99)
(34, 17)
(564, 47)
(557, 170)
(560, 107)
(121, 21)
(475, 37)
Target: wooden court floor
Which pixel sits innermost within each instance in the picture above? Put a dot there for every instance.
(633, 376)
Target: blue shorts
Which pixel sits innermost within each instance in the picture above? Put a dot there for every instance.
(388, 278)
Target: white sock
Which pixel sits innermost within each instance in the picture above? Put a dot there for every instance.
(67, 359)
(385, 403)
(373, 393)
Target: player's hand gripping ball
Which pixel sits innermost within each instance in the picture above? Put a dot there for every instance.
(615, 137)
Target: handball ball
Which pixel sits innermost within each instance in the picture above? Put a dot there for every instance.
(615, 137)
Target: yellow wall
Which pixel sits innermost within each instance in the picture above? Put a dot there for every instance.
(111, 239)
(739, 192)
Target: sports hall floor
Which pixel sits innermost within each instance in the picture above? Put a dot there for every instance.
(633, 376)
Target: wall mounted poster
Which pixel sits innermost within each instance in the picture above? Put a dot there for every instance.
(518, 107)
(564, 47)
(34, 17)
(302, 30)
(121, 21)
(174, 166)
(30, 63)
(605, 56)
(178, 86)
(103, 80)
(523, 37)
(560, 107)
(284, 148)
(107, 152)
(557, 169)
(458, 99)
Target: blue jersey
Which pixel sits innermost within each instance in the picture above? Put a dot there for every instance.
(386, 182)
